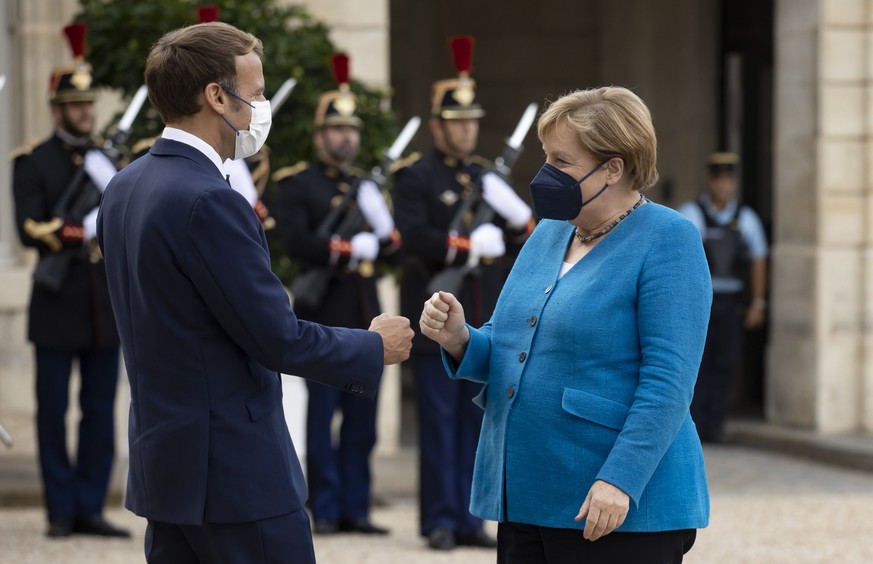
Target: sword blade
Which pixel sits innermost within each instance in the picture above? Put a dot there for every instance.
(133, 109)
(523, 126)
(5, 437)
(403, 139)
(282, 94)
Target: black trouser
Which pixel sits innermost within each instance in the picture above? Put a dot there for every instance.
(720, 358)
(530, 544)
(285, 539)
(76, 487)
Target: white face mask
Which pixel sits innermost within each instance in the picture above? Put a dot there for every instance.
(249, 141)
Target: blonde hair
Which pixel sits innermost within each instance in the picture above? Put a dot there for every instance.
(609, 122)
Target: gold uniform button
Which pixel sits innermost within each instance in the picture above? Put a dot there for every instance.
(510, 391)
(533, 320)
(522, 356)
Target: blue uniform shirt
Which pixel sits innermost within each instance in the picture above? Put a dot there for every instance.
(751, 231)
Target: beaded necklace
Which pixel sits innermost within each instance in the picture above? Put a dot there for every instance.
(611, 226)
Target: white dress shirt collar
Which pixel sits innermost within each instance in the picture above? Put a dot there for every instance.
(181, 136)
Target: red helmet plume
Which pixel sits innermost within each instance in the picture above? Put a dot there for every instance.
(206, 14)
(76, 36)
(462, 49)
(339, 62)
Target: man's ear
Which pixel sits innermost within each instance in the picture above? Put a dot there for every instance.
(215, 97)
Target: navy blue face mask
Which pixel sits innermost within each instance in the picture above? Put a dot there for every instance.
(556, 194)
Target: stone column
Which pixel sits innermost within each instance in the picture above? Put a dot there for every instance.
(821, 305)
(362, 30)
(16, 396)
(8, 246)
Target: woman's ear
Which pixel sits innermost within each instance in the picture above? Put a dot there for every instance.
(614, 170)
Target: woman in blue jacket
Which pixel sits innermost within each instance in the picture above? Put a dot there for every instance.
(590, 358)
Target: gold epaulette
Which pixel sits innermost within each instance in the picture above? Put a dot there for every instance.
(355, 171)
(476, 159)
(403, 163)
(287, 171)
(259, 166)
(143, 145)
(25, 149)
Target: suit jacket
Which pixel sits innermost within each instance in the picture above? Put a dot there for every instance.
(77, 316)
(205, 326)
(591, 377)
(427, 196)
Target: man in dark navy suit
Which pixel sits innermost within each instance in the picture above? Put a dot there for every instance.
(205, 325)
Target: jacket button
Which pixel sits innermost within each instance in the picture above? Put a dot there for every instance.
(549, 288)
(522, 356)
(533, 320)
(510, 391)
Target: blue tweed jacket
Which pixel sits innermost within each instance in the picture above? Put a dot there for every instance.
(590, 377)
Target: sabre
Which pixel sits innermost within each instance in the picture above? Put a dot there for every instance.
(403, 139)
(514, 146)
(395, 150)
(132, 110)
(5, 437)
(282, 94)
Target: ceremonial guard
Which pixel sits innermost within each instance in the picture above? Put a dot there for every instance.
(456, 216)
(336, 223)
(57, 187)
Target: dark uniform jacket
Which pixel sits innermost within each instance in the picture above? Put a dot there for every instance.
(306, 195)
(427, 195)
(78, 315)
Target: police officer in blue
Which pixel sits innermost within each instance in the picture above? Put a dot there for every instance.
(57, 186)
(360, 233)
(429, 194)
(736, 250)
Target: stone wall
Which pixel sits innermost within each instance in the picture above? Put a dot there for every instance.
(820, 365)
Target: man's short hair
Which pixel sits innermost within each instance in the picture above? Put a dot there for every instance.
(184, 61)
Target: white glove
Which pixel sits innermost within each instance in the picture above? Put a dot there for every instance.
(90, 224)
(486, 241)
(365, 246)
(375, 210)
(500, 196)
(99, 168)
(241, 179)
